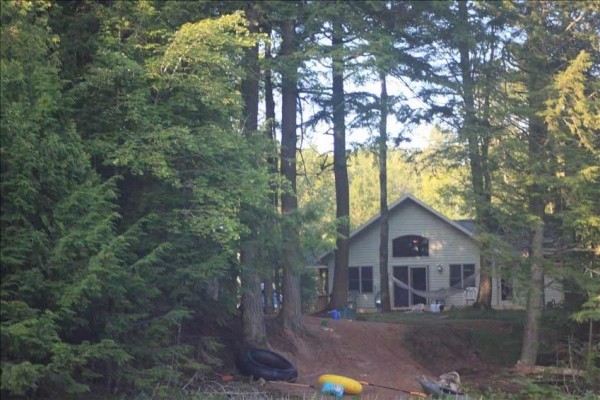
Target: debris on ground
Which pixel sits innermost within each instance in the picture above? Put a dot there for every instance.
(447, 384)
(325, 327)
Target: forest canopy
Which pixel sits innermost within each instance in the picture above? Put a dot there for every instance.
(153, 172)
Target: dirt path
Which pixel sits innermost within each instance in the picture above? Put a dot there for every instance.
(371, 352)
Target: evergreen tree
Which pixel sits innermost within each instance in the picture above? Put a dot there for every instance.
(463, 94)
(253, 322)
(558, 37)
(383, 194)
(129, 263)
(291, 315)
(339, 294)
(60, 254)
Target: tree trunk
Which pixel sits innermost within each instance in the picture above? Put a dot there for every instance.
(272, 160)
(339, 295)
(253, 323)
(476, 162)
(291, 315)
(537, 77)
(535, 302)
(269, 99)
(249, 86)
(384, 280)
(269, 292)
(535, 297)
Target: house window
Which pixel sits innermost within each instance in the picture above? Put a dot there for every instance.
(462, 275)
(360, 279)
(505, 289)
(410, 246)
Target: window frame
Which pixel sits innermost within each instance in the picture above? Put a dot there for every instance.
(366, 284)
(452, 271)
(422, 247)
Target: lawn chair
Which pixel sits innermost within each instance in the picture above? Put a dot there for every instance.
(470, 294)
(353, 299)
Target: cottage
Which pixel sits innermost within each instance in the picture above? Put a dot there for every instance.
(432, 259)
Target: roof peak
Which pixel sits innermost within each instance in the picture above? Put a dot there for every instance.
(409, 196)
(406, 196)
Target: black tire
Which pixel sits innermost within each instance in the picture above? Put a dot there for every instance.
(261, 363)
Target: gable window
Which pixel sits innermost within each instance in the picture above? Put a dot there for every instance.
(360, 279)
(410, 246)
(462, 275)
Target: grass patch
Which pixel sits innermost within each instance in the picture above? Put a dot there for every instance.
(495, 335)
(398, 317)
(501, 348)
(469, 313)
(511, 316)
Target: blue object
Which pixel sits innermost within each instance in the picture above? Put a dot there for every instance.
(335, 314)
(348, 313)
(332, 388)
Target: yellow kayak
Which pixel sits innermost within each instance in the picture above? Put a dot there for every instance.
(350, 385)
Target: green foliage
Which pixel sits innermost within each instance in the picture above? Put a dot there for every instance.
(488, 345)
(105, 270)
(56, 217)
(17, 378)
(535, 391)
(573, 109)
(127, 186)
(590, 311)
(418, 174)
(200, 55)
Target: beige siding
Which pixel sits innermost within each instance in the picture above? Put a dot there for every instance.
(553, 292)
(496, 298)
(447, 245)
(364, 252)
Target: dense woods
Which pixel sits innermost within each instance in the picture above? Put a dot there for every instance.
(157, 167)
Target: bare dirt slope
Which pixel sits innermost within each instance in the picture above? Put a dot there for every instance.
(365, 351)
(381, 354)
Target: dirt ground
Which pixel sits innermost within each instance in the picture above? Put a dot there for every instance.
(381, 354)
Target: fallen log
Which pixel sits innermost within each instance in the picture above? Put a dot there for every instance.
(527, 370)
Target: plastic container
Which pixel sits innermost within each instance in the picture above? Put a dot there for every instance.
(332, 389)
(335, 314)
(348, 313)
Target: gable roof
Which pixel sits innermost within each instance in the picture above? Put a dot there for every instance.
(464, 226)
(404, 199)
